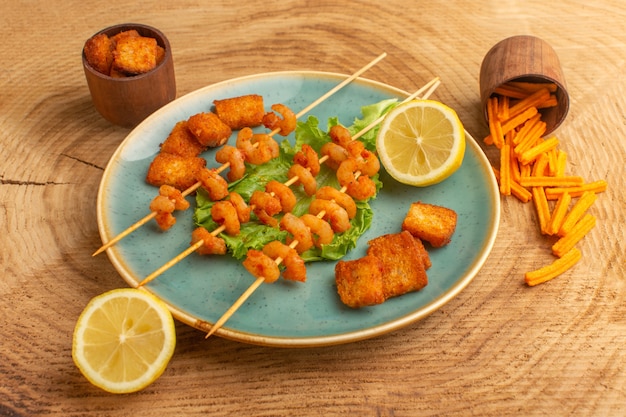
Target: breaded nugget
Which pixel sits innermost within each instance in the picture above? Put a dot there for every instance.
(434, 224)
(181, 142)
(424, 253)
(242, 111)
(208, 129)
(360, 281)
(401, 257)
(135, 55)
(99, 53)
(177, 171)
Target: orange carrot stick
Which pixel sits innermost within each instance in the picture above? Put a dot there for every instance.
(542, 208)
(567, 242)
(517, 120)
(531, 154)
(556, 268)
(558, 215)
(561, 163)
(529, 102)
(530, 88)
(505, 169)
(543, 181)
(576, 191)
(576, 213)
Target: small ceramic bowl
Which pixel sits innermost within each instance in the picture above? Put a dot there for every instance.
(129, 100)
(525, 58)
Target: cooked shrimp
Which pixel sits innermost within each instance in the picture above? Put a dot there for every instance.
(334, 214)
(225, 214)
(243, 210)
(322, 231)
(308, 158)
(283, 193)
(346, 173)
(304, 177)
(295, 270)
(298, 231)
(213, 245)
(215, 185)
(165, 220)
(344, 200)
(265, 206)
(261, 266)
(361, 189)
(355, 148)
(336, 154)
(174, 195)
(235, 158)
(368, 163)
(286, 124)
(340, 135)
(257, 148)
(162, 204)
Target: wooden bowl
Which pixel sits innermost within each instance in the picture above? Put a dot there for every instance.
(525, 58)
(129, 100)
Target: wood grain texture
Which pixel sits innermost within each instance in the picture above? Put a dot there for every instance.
(499, 348)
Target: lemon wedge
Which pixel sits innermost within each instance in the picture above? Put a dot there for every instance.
(123, 340)
(421, 142)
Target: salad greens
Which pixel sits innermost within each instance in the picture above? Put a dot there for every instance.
(254, 234)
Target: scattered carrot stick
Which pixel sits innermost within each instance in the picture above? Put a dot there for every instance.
(532, 101)
(495, 127)
(558, 215)
(531, 154)
(511, 91)
(531, 137)
(556, 268)
(530, 88)
(517, 190)
(517, 120)
(576, 191)
(539, 167)
(544, 181)
(505, 169)
(567, 242)
(542, 208)
(576, 213)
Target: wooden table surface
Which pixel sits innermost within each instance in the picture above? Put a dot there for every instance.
(498, 348)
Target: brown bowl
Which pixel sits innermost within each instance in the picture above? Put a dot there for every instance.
(129, 100)
(525, 58)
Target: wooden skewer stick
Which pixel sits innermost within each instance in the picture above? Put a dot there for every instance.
(431, 86)
(194, 187)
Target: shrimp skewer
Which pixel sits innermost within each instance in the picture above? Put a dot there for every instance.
(226, 165)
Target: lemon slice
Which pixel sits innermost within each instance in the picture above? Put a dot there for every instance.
(123, 340)
(421, 142)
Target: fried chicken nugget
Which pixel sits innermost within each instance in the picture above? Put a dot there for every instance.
(182, 142)
(99, 53)
(135, 54)
(434, 224)
(360, 281)
(177, 171)
(401, 258)
(240, 112)
(208, 129)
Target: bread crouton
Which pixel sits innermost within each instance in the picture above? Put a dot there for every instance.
(242, 111)
(181, 142)
(135, 55)
(434, 224)
(178, 171)
(98, 52)
(208, 129)
(360, 281)
(402, 260)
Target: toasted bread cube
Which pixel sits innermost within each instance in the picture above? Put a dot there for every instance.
(403, 267)
(360, 281)
(434, 224)
(242, 111)
(178, 171)
(135, 55)
(99, 53)
(132, 33)
(208, 129)
(182, 142)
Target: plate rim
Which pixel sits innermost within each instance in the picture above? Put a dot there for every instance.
(306, 341)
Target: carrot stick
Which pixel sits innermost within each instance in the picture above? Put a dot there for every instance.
(530, 88)
(558, 215)
(578, 210)
(539, 167)
(531, 138)
(505, 169)
(495, 127)
(567, 242)
(531, 154)
(556, 268)
(576, 191)
(561, 162)
(543, 210)
(517, 190)
(550, 102)
(503, 108)
(507, 90)
(514, 121)
(529, 102)
(543, 181)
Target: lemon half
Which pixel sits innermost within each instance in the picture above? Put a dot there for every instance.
(123, 340)
(421, 142)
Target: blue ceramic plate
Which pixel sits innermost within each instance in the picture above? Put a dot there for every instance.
(287, 314)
